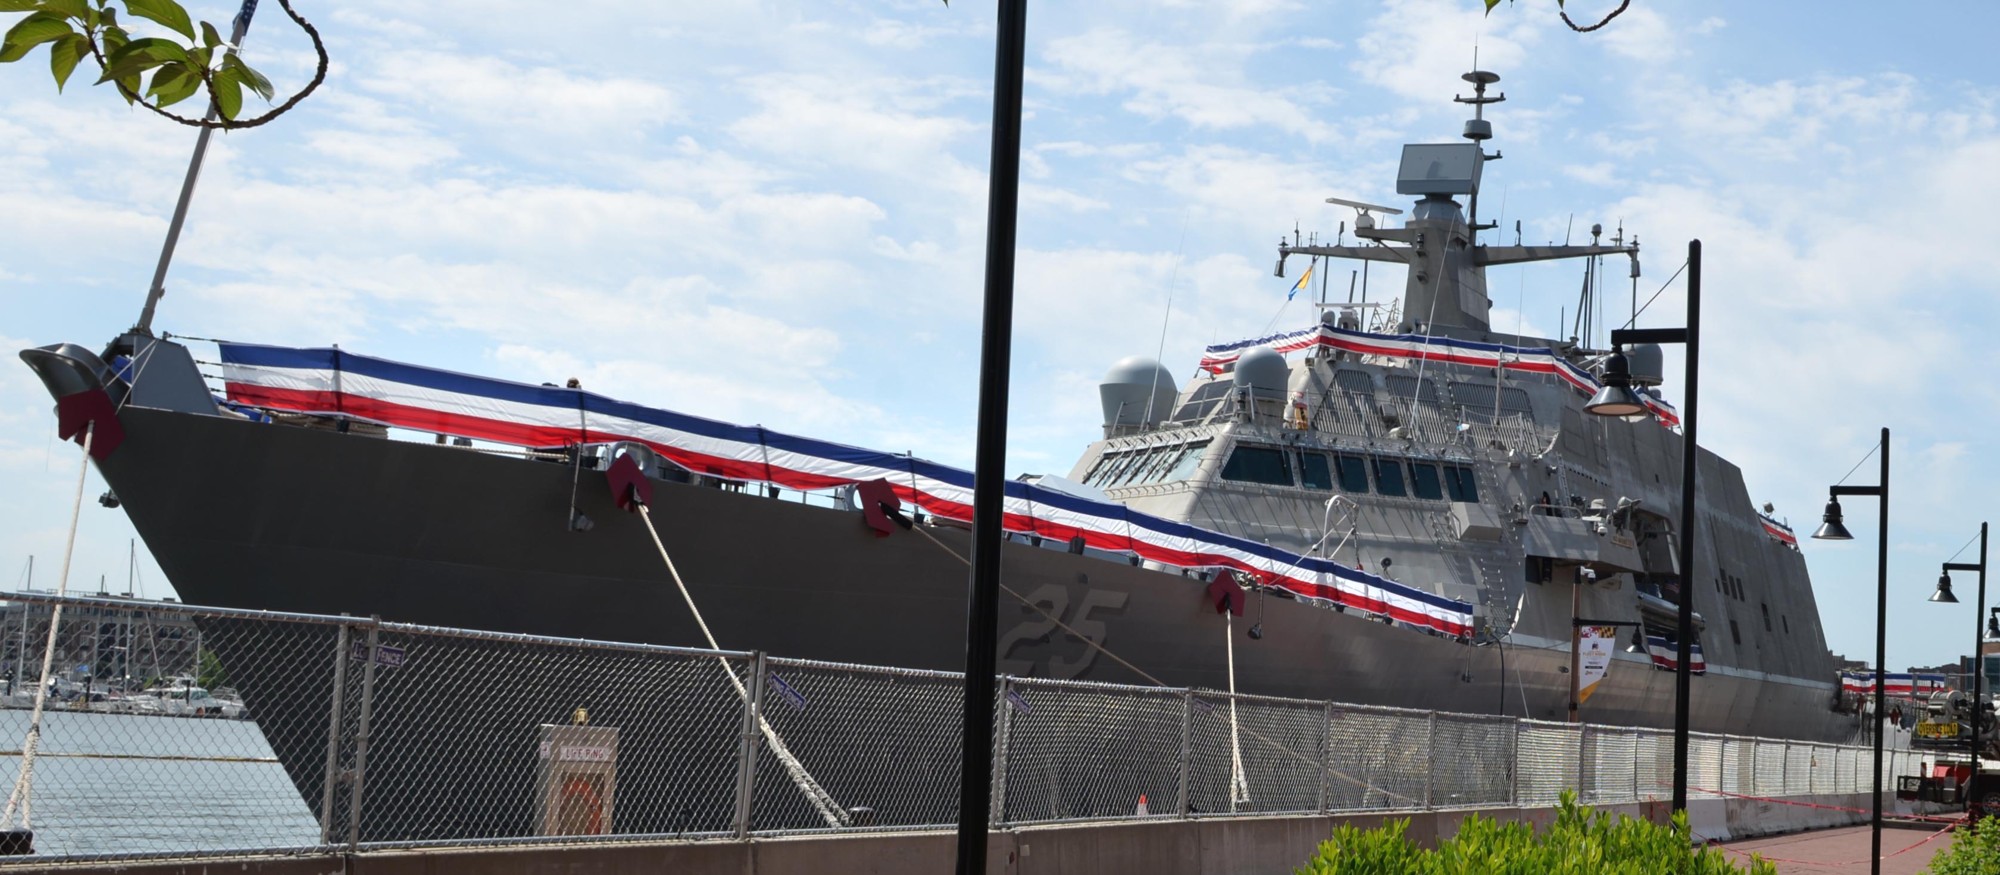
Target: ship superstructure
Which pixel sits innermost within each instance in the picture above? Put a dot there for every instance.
(1443, 454)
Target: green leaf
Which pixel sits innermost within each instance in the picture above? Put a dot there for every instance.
(76, 9)
(64, 54)
(227, 86)
(30, 32)
(158, 51)
(166, 12)
(209, 38)
(250, 77)
(1490, 4)
(168, 76)
(20, 5)
(177, 88)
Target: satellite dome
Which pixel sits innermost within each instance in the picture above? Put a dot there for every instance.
(1262, 368)
(1137, 391)
(1647, 363)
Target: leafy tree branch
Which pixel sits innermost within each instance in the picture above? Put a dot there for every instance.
(152, 72)
(1564, 13)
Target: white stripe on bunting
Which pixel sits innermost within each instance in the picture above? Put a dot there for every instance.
(333, 381)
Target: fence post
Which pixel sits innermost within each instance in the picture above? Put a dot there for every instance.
(1187, 751)
(333, 737)
(361, 733)
(1583, 770)
(1003, 734)
(1430, 758)
(1514, 767)
(746, 748)
(1638, 749)
(1325, 757)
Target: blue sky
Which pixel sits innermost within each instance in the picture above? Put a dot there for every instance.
(773, 212)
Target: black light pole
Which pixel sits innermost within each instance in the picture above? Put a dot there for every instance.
(1831, 529)
(975, 779)
(1978, 641)
(1618, 399)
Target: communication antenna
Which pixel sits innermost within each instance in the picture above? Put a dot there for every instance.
(1362, 220)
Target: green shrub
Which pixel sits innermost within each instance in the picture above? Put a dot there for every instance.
(1580, 842)
(1972, 852)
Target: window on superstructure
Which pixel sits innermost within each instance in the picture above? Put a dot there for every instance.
(1264, 465)
(1203, 400)
(1766, 607)
(1099, 468)
(1353, 471)
(1142, 461)
(1315, 472)
(1185, 466)
(1424, 481)
(1118, 470)
(1389, 477)
(1787, 621)
(1735, 635)
(1460, 484)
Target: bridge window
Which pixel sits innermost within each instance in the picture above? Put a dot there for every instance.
(1266, 465)
(1353, 472)
(1189, 460)
(1389, 477)
(1424, 479)
(1314, 471)
(1460, 484)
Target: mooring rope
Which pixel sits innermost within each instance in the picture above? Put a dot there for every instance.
(821, 800)
(1239, 787)
(24, 783)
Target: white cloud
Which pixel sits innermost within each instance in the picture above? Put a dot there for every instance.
(1202, 85)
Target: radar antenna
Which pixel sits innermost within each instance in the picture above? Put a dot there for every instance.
(1479, 130)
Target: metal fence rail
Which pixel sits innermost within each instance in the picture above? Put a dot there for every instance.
(357, 733)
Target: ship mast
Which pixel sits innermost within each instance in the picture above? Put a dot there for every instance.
(1446, 288)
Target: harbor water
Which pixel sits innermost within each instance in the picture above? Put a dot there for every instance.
(138, 784)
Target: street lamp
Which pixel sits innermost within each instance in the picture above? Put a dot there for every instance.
(1832, 529)
(1944, 595)
(1618, 399)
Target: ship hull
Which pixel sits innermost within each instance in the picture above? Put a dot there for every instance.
(272, 517)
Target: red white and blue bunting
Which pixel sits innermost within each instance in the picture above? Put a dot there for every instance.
(1526, 359)
(1666, 655)
(1779, 531)
(335, 382)
(1903, 684)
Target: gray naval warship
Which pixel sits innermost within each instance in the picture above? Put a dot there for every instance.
(1438, 477)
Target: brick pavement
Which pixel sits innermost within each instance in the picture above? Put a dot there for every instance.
(1844, 851)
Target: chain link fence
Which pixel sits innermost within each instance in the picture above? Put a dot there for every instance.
(171, 730)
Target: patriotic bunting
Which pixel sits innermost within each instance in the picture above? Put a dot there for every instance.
(1904, 684)
(332, 381)
(1779, 531)
(1527, 359)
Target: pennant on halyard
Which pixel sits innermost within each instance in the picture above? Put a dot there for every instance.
(1305, 279)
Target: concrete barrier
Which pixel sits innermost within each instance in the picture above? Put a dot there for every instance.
(1204, 846)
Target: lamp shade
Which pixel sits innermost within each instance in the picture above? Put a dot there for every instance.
(1616, 400)
(1830, 528)
(1943, 593)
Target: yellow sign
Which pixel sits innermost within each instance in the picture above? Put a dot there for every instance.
(1930, 729)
